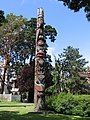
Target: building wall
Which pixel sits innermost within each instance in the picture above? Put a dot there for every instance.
(10, 97)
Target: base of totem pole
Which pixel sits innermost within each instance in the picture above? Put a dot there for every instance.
(39, 101)
(40, 110)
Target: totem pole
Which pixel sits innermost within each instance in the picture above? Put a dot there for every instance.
(40, 53)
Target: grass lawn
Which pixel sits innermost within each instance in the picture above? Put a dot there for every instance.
(20, 111)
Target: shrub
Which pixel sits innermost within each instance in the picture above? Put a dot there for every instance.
(70, 104)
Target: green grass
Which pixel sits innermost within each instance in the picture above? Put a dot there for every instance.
(19, 111)
(20, 108)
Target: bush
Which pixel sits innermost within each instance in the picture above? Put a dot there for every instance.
(70, 104)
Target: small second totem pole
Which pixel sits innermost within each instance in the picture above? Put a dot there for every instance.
(40, 53)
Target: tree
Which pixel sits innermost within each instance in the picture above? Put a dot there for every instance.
(17, 40)
(25, 80)
(30, 36)
(2, 18)
(9, 32)
(66, 71)
(18, 34)
(76, 5)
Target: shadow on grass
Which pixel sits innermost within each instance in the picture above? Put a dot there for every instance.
(10, 115)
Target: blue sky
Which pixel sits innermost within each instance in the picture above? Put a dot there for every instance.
(73, 28)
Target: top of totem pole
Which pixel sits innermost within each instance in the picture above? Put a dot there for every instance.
(40, 12)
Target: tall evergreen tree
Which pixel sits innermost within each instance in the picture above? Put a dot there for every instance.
(67, 68)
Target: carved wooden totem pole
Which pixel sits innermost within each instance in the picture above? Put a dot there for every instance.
(39, 88)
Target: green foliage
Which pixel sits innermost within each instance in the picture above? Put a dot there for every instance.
(70, 104)
(76, 5)
(19, 111)
(25, 81)
(17, 40)
(10, 33)
(50, 32)
(2, 18)
(66, 72)
(83, 105)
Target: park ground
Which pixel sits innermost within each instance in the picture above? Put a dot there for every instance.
(25, 111)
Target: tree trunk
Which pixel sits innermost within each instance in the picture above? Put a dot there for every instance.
(31, 96)
(31, 58)
(3, 80)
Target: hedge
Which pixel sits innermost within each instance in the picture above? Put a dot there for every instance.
(67, 103)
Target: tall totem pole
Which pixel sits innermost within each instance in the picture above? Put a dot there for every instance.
(40, 53)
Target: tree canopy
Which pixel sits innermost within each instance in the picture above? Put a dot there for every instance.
(2, 18)
(17, 37)
(17, 41)
(66, 72)
(76, 5)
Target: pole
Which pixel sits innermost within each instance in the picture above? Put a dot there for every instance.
(40, 53)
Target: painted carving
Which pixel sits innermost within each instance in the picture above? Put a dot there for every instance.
(39, 63)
